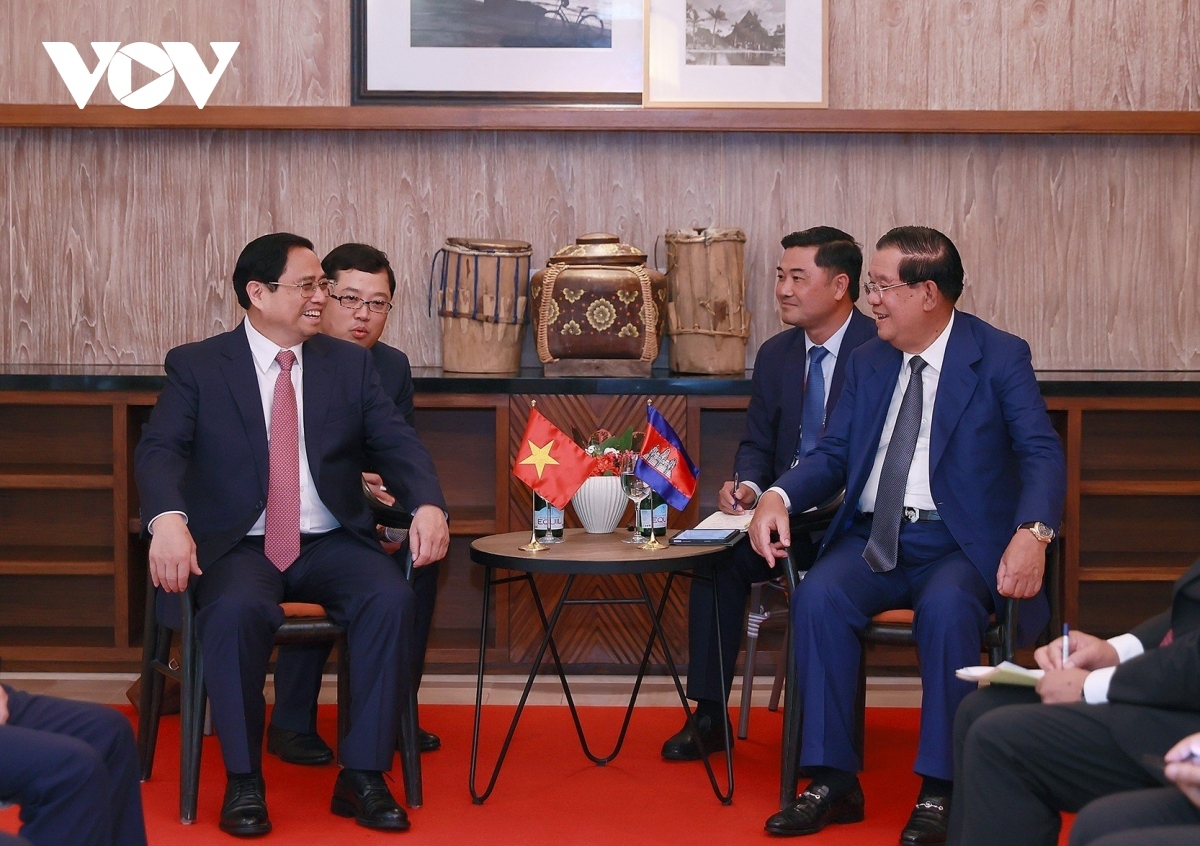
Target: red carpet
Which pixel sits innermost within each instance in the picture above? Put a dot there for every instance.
(548, 792)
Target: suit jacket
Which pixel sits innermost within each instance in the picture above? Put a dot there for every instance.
(995, 460)
(204, 449)
(395, 375)
(777, 398)
(1156, 696)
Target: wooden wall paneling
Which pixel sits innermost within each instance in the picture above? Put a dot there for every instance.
(295, 53)
(1016, 54)
(120, 243)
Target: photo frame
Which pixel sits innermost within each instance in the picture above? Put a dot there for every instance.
(497, 51)
(738, 53)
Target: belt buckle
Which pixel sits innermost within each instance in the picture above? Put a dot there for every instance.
(911, 515)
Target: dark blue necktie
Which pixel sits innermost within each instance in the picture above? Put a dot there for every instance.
(812, 412)
(883, 544)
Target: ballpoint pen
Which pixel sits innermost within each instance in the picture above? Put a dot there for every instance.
(737, 483)
(1066, 640)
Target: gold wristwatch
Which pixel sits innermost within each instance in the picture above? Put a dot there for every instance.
(1040, 531)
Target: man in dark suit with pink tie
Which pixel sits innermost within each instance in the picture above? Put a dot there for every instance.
(250, 477)
(954, 482)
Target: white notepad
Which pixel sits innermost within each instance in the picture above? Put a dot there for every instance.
(721, 520)
(1005, 672)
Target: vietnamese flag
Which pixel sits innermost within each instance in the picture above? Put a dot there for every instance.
(550, 462)
(664, 464)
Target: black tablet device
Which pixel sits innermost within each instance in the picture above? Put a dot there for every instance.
(711, 537)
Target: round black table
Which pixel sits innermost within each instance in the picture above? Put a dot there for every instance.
(583, 554)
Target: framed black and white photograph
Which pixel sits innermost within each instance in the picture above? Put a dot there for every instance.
(549, 51)
(736, 53)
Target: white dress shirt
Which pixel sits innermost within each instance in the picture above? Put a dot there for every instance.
(1095, 686)
(832, 346)
(916, 491)
(315, 518)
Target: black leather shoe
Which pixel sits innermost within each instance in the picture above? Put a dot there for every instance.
(364, 795)
(814, 810)
(927, 823)
(298, 748)
(687, 745)
(244, 812)
(427, 741)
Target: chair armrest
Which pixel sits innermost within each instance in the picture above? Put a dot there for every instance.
(819, 518)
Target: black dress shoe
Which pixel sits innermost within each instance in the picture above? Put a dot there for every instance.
(298, 748)
(927, 823)
(687, 745)
(364, 795)
(814, 810)
(244, 812)
(427, 741)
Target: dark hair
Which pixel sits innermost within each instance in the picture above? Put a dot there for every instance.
(836, 251)
(928, 254)
(263, 260)
(358, 257)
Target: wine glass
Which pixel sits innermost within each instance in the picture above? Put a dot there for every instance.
(637, 490)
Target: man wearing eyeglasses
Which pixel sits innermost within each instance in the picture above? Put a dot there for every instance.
(250, 477)
(954, 482)
(364, 286)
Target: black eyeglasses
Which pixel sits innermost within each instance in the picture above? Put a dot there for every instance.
(307, 286)
(353, 303)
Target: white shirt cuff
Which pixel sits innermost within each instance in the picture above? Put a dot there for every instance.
(1095, 686)
(757, 492)
(150, 525)
(1127, 646)
(783, 495)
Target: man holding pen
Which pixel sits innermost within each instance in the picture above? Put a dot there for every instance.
(798, 377)
(1119, 705)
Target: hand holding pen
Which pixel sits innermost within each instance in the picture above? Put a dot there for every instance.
(734, 497)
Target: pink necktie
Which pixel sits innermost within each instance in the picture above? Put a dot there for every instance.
(282, 540)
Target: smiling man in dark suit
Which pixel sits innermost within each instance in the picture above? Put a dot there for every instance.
(954, 483)
(250, 476)
(800, 369)
(365, 284)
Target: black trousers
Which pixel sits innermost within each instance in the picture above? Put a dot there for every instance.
(1018, 764)
(73, 769)
(732, 583)
(298, 667)
(1160, 816)
(362, 589)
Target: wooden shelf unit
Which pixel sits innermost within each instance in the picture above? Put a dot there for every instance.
(64, 547)
(1132, 519)
(72, 566)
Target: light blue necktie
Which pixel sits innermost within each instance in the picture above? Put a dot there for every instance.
(812, 412)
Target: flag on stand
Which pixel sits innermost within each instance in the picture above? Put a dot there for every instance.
(549, 462)
(664, 464)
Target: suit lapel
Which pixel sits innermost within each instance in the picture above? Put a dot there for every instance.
(237, 366)
(876, 393)
(318, 381)
(791, 389)
(956, 385)
(858, 331)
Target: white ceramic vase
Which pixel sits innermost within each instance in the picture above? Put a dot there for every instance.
(599, 504)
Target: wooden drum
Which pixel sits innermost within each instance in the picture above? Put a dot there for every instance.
(483, 294)
(707, 319)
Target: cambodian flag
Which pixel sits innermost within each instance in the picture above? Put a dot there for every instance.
(664, 464)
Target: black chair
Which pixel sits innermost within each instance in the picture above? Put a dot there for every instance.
(304, 623)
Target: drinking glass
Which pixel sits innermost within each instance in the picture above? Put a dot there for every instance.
(636, 490)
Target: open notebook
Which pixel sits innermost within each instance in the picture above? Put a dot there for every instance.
(1005, 672)
(720, 520)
